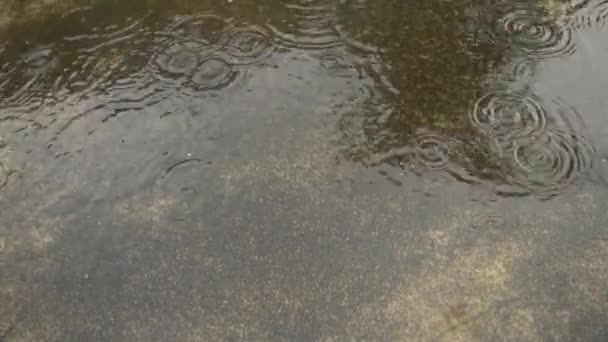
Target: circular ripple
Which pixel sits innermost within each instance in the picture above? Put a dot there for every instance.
(212, 74)
(536, 35)
(508, 115)
(589, 14)
(431, 151)
(548, 164)
(248, 45)
(313, 28)
(176, 61)
(524, 70)
(306, 41)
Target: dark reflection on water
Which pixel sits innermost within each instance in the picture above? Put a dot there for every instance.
(535, 33)
(461, 98)
(450, 84)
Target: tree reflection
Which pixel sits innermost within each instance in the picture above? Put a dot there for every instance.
(453, 93)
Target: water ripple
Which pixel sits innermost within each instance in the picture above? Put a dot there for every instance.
(536, 35)
(431, 151)
(514, 114)
(213, 73)
(100, 67)
(205, 28)
(426, 150)
(589, 14)
(540, 144)
(87, 74)
(248, 44)
(314, 26)
(509, 115)
(548, 164)
(177, 60)
(26, 82)
(523, 71)
(352, 41)
(91, 35)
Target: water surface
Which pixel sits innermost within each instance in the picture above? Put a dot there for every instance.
(303, 170)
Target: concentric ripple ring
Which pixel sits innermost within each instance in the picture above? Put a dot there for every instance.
(176, 61)
(431, 151)
(536, 35)
(509, 115)
(548, 164)
(247, 45)
(212, 74)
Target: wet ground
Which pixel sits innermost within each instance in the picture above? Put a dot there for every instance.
(268, 170)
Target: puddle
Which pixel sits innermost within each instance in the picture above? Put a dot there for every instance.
(296, 147)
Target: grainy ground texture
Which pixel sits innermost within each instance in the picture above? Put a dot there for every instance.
(303, 170)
